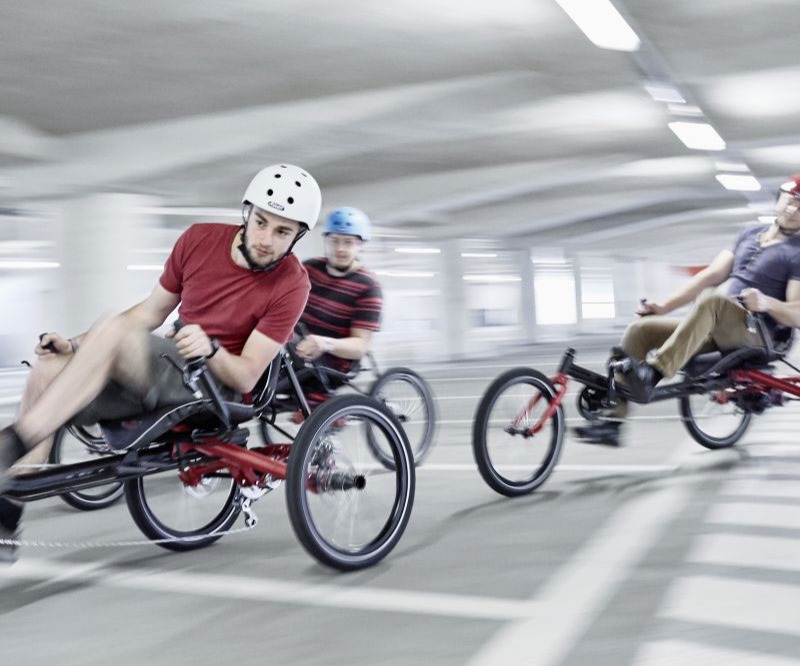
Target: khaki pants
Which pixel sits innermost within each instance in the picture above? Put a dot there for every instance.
(715, 323)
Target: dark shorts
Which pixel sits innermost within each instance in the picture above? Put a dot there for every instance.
(165, 388)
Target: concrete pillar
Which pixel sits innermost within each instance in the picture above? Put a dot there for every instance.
(527, 295)
(96, 239)
(453, 300)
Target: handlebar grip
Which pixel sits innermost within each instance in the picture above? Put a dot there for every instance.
(50, 346)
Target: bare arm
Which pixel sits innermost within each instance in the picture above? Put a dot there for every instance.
(784, 312)
(242, 372)
(711, 276)
(353, 347)
(149, 314)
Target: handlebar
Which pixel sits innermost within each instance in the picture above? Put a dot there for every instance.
(50, 346)
(757, 324)
(196, 371)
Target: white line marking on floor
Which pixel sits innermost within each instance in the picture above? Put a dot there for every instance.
(773, 553)
(579, 590)
(271, 591)
(762, 488)
(758, 515)
(734, 603)
(685, 653)
(624, 469)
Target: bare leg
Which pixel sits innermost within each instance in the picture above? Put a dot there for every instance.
(42, 375)
(112, 349)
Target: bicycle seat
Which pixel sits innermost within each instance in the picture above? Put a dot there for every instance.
(141, 430)
(744, 358)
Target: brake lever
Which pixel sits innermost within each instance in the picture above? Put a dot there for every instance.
(50, 346)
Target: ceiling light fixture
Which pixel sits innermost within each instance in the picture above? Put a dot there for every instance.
(739, 183)
(492, 278)
(27, 265)
(602, 24)
(418, 250)
(697, 136)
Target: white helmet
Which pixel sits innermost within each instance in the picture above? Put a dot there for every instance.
(286, 191)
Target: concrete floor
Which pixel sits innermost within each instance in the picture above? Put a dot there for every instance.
(657, 553)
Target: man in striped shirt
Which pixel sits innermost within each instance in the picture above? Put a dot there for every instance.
(344, 307)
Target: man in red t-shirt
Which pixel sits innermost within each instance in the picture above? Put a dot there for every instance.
(344, 307)
(241, 292)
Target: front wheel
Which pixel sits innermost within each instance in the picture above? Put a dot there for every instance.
(347, 509)
(713, 419)
(73, 444)
(181, 516)
(410, 399)
(515, 446)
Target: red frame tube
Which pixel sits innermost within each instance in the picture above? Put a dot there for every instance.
(560, 381)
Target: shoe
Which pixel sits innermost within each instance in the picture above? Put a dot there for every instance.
(10, 515)
(602, 432)
(11, 450)
(641, 380)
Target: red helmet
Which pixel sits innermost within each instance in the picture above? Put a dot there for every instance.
(792, 186)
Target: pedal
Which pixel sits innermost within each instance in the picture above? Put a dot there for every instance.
(250, 517)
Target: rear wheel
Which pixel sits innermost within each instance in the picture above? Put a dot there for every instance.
(347, 509)
(713, 419)
(179, 515)
(410, 399)
(511, 458)
(74, 444)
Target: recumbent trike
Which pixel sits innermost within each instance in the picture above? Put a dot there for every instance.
(188, 473)
(407, 395)
(519, 426)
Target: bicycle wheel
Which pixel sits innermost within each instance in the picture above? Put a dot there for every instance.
(714, 420)
(347, 509)
(512, 459)
(75, 444)
(189, 517)
(410, 399)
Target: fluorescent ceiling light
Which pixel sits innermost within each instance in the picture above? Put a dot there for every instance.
(405, 274)
(146, 267)
(418, 250)
(697, 136)
(27, 265)
(664, 92)
(488, 255)
(601, 23)
(492, 278)
(188, 210)
(739, 183)
(685, 109)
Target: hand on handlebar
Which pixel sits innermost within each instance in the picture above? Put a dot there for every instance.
(753, 300)
(646, 308)
(52, 343)
(191, 340)
(310, 348)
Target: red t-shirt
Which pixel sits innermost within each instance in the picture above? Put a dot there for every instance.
(227, 301)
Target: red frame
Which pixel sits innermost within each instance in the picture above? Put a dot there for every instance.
(756, 380)
(247, 466)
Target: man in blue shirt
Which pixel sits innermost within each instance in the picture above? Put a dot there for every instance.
(763, 269)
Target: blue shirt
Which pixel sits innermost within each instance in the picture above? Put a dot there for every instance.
(767, 269)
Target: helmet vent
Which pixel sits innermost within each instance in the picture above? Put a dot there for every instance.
(269, 193)
(297, 183)
(290, 200)
(277, 175)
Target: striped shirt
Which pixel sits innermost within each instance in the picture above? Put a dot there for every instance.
(337, 305)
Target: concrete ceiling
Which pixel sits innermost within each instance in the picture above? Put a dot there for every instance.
(472, 120)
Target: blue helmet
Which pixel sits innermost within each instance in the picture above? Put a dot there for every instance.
(347, 222)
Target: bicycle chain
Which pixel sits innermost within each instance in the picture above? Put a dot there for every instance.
(251, 520)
